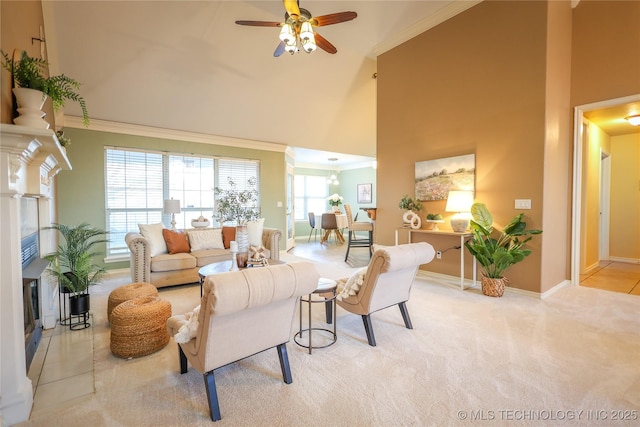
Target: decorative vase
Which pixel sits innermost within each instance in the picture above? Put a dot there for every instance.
(30, 102)
(494, 287)
(412, 219)
(242, 238)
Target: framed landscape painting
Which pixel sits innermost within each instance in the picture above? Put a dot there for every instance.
(435, 178)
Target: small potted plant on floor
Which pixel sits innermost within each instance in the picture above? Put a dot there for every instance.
(29, 76)
(497, 254)
(72, 263)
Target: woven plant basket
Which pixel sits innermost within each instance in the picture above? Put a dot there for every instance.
(494, 287)
(139, 327)
(127, 292)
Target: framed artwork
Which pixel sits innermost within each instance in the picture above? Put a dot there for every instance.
(434, 178)
(364, 193)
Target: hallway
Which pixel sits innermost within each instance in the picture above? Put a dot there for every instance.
(614, 276)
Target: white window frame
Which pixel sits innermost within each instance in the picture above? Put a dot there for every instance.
(139, 208)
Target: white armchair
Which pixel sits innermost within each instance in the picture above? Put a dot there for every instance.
(243, 313)
(387, 282)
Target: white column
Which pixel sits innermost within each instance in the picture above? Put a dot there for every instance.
(29, 159)
(49, 302)
(15, 386)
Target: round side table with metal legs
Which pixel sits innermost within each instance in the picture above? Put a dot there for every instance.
(325, 286)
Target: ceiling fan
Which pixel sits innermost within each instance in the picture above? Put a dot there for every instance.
(298, 29)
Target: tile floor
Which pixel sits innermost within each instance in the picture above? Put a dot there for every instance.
(614, 276)
(55, 380)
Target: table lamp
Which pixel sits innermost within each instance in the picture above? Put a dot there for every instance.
(459, 202)
(172, 207)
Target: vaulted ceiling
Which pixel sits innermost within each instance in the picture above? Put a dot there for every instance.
(186, 65)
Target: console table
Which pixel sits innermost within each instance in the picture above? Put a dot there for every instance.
(451, 234)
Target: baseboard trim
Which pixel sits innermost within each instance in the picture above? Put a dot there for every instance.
(454, 282)
(625, 260)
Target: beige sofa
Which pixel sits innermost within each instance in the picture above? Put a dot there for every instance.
(182, 268)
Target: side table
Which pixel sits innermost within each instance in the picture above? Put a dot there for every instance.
(324, 286)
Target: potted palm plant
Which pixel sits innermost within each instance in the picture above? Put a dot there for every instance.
(72, 263)
(30, 83)
(496, 255)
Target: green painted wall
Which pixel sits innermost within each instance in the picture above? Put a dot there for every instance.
(348, 187)
(81, 193)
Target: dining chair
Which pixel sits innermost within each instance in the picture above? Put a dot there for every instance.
(312, 224)
(329, 224)
(356, 241)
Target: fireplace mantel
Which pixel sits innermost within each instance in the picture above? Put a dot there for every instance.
(29, 160)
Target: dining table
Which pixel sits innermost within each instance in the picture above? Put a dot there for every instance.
(341, 223)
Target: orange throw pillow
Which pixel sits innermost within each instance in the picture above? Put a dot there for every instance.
(228, 234)
(176, 241)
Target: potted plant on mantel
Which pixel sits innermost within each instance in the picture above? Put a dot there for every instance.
(411, 217)
(497, 254)
(32, 88)
(72, 264)
(240, 206)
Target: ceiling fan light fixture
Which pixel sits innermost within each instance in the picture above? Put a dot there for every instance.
(287, 35)
(291, 46)
(306, 31)
(309, 45)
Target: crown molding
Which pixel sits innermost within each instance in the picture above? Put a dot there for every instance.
(177, 135)
(447, 12)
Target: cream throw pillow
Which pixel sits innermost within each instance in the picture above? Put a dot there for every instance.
(205, 239)
(254, 229)
(352, 286)
(153, 233)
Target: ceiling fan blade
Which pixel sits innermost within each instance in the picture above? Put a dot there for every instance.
(259, 23)
(333, 18)
(324, 44)
(292, 8)
(279, 50)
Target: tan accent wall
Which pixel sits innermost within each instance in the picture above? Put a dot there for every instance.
(558, 143)
(21, 20)
(624, 235)
(605, 63)
(474, 84)
(496, 81)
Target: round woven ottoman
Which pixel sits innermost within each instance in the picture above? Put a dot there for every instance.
(127, 292)
(139, 327)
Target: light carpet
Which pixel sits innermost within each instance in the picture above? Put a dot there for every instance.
(571, 359)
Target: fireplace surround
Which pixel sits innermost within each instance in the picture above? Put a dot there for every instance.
(29, 161)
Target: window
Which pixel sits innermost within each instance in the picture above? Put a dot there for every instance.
(311, 195)
(138, 182)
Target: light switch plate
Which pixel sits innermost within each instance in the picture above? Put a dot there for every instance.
(523, 204)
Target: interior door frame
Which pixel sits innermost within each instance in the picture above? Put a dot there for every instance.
(290, 224)
(605, 200)
(578, 149)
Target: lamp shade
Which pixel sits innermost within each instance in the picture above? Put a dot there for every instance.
(172, 206)
(459, 201)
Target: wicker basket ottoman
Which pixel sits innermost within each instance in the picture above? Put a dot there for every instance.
(139, 327)
(127, 292)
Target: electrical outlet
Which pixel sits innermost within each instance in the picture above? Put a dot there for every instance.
(438, 255)
(523, 204)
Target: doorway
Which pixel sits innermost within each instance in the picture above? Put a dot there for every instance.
(578, 203)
